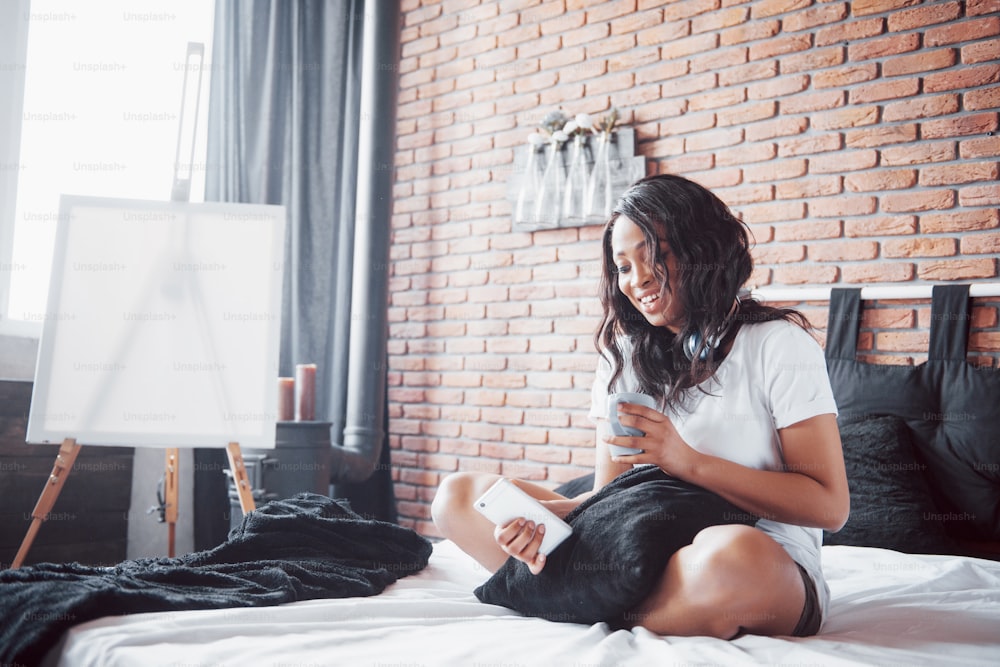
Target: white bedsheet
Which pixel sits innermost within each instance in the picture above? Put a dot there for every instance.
(887, 608)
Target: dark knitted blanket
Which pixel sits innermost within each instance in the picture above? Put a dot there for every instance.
(304, 548)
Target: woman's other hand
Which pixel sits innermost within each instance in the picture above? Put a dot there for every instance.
(662, 444)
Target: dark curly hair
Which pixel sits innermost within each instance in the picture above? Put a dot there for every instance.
(712, 248)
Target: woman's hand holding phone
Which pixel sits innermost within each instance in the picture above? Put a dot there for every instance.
(521, 538)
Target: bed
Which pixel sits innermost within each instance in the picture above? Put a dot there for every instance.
(888, 608)
(907, 581)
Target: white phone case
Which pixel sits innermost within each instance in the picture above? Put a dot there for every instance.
(504, 501)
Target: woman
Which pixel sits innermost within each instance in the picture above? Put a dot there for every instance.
(747, 413)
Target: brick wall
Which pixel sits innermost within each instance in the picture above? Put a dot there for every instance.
(859, 141)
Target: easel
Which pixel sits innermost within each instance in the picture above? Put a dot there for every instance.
(64, 463)
(68, 450)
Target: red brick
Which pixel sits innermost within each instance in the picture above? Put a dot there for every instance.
(882, 226)
(921, 17)
(809, 145)
(779, 127)
(918, 201)
(748, 32)
(635, 21)
(881, 135)
(719, 59)
(843, 76)
(806, 231)
(923, 152)
(774, 171)
(724, 97)
(837, 251)
(748, 113)
(716, 139)
(719, 19)
(980, 148)
(813, 60)
(766, 8)
(608, 10)
(884, 90)
(835, 207)
(979, 7)
(963, 173)
(610, 83)
(924, 61)
(887, 318)
(986, 98)
(966, 77)
(778, 254)
(957, 269)
(980, 244)
(850, 31)
(919, 247)
(962, 221)
(902, 341)
(663, 33)
(849, 117)
(921, 107)
(779, 87)
(842, 161)
(687, 123)
(959, 126)
(962, 31)
(981, 51)
(819, 186)
(877, 272)
(979, 195)
(885, 46)
(749, 194)
(874, 181)
(745, 153)
(774, 212)
(805, 274)
(683, 164)
(809, 102)
(780, 46)
(688, 46)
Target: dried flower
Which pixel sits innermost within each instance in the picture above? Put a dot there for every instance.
(607, 122)
(553, 121)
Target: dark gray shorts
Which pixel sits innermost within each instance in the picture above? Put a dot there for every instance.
(812, 615)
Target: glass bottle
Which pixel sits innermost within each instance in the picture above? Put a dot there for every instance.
(599, 189)
(549, 201)
(524, 210)
(574, 206)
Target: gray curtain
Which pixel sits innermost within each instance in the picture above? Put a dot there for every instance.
(284, 124)
(283, 128)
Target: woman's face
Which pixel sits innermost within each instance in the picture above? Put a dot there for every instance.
(637, 281)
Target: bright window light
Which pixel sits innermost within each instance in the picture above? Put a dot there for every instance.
(102, 103)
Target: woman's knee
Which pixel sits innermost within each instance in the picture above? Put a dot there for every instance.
(454, 497)
(726, 581)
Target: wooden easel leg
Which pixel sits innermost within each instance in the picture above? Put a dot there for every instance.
(171, 497)
(60, 470)
(240, 478)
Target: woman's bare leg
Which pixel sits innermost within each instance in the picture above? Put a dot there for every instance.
(730, 580)
(458, 521)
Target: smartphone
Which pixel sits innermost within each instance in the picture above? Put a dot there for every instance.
(504, 502)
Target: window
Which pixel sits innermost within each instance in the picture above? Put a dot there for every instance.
(102, 99)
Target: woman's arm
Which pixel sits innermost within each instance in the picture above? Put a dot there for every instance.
(811, 491)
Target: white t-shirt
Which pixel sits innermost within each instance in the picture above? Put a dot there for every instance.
(774, 376)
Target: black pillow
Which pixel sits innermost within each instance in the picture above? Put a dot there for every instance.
(891, 505)
(622, 538)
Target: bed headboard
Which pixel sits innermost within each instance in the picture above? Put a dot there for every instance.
(938, 426)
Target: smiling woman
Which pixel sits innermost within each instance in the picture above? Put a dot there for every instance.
(102, 101)
(744, 413)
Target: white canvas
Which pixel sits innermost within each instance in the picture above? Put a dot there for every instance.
(162, 327)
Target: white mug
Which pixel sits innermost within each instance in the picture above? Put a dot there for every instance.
(617, 428)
